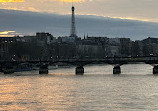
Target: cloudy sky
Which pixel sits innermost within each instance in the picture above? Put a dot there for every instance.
(145, 10)
(142, 10)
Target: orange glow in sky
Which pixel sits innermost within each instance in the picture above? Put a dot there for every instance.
(6, 32)
(11, 0)
(144, 10)
(71, 0)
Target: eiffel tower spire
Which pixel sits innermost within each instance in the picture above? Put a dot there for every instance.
(73, 26)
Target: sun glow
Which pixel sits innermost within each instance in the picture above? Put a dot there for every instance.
(10, 34)
(6, 32)
(11, 0)
(132, 18)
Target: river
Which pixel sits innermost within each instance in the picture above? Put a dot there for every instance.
(136, 89)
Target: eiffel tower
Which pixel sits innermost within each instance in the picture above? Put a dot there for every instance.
(73, 26)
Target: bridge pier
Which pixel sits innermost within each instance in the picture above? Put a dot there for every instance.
(117, 69)
(8, 70)
(43, 69)
(79, 70)
(155, 69)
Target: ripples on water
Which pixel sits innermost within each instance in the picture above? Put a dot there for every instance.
(98, 90)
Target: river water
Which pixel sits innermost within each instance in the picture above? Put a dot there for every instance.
(136, 89)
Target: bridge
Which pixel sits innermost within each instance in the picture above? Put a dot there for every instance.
(7, 66)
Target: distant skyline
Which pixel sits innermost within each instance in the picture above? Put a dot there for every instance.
(136, 19)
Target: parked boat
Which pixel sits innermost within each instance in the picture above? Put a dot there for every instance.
(8, 70)
(53, 67)
(23, 67)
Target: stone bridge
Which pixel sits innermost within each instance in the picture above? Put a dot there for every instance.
(80, 63)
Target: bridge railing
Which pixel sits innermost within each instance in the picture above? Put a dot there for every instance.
(108, 59)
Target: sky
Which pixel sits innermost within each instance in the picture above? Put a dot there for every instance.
(144, 11)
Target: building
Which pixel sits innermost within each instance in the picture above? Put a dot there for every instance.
(114, 47)
(6, 44)
(150, 46)
(125, 47)
(67, 39)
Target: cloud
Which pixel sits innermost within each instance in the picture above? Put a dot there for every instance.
(28, 23)
(11, 0)
(144, 10)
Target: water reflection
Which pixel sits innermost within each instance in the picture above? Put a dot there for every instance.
(98, 89)
(38, 92)
(9, 92)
